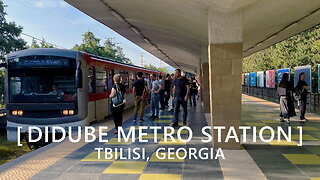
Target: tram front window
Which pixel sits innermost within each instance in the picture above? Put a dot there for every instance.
(42, 85)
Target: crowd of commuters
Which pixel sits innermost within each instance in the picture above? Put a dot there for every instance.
(161, 93)
(172, 91)
(287, 93)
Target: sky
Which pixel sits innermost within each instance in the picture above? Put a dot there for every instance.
(63, 25)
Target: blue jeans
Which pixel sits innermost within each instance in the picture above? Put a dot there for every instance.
(193, 99)
(155, 104)
(183, 103)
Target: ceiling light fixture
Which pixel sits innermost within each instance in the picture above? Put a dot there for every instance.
(136, 30)
(117, 15)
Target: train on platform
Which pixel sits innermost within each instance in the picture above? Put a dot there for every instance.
(57, 87)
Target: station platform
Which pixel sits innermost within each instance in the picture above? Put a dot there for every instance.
(256, 160)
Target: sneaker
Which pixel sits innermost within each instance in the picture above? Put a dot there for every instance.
(151, 117)
(303, 119)
(281, 119)
(135, 120)
(115, 132)
(184, 123)
(155, 117)
(171, 110)
(141, 120)
(174, 124)
(287, 121)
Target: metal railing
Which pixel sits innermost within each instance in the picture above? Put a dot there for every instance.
(270, 94)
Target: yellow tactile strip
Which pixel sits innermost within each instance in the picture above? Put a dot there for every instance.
(160, 177)
(261, 101)
(126, 167)
(305, 159)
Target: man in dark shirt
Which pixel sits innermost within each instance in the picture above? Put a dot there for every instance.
(139, 88)
(181, 91)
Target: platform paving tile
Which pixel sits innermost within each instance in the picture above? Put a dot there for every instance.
(275, 160)
(84, 164)
(284, 160)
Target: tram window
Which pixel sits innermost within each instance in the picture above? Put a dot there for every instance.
(110, 80)
(131, 79)
(90, 80)
(105, 80)
(101, 82)
(38, 85)
(124, 78)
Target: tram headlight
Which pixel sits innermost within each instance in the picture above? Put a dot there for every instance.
(14, 112)
(20, 112)
(71, 112)
(65, 112)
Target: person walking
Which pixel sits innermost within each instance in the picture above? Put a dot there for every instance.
(301, 93)
(285, 92)
(149, 85)
(171, 101)
(193, 92)
(167, 89)
(118, 90)
(156, 87)
(161, 93)
(181, 91)
(139, 89)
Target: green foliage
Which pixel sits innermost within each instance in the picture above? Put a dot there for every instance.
(10, 150)
(9, 35)
(299, 50)
(163, 69)
(43, 44)
(9, 41)
(91, 45)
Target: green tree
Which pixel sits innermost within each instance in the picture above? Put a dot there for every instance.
(34, 44)
(44, 44)
(163, 69)
(9, 40)
(91, 45)
(299, 50)
(109, 50)
(9, 35)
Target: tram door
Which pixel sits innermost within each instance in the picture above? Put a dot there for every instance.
(92, 94)
(110, 84)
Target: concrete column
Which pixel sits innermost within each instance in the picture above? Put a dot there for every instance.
(200, 81)
(225, 68)
(205, 94)
(205, 87)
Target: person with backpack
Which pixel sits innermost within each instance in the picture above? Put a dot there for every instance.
(301, 93)
(193, 93)
(117, 101)
(285, 92)
(140, 88)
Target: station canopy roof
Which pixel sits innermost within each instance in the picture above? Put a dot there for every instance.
(175, 31)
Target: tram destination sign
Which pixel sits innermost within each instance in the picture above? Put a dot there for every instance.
(26, 62)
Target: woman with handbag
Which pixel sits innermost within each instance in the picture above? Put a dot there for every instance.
(117, 101)
(285, 92)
